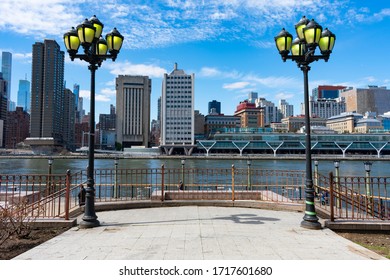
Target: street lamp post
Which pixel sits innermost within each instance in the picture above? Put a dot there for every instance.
(88, 35)
(310, 35)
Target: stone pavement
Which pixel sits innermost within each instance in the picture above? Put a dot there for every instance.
(199, 233)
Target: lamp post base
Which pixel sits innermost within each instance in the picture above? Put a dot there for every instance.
(89, 223)
(311, 224)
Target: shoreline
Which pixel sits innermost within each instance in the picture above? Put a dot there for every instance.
(201, 157)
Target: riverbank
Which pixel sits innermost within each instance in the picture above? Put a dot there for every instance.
(120, 155)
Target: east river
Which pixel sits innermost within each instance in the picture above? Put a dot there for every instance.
(60, 165)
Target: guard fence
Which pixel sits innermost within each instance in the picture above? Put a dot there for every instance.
(48, 196)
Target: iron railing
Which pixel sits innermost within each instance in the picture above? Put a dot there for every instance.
(354, 198)
(47, 196)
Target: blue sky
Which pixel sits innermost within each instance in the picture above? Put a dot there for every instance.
(228, 44)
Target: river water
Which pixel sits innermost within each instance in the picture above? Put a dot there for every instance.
(40, 165)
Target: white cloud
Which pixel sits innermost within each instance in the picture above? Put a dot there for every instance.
(147, 24)
(283, 95)
(85, 93)
(103, 98)
(108, 92)
(105, 94)
(37, 18)
(236, 85)
(127, 68)
(209, 72)
(216, 73)
(274, 82)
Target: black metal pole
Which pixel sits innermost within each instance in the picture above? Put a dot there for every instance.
(310, 219)
(89, 219)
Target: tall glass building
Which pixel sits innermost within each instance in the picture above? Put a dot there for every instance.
(6, 69)
(24, 95)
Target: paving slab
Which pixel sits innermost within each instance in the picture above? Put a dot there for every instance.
(199, 233)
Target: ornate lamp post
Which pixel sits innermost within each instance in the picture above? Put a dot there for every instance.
(310, 35)
(88, 35)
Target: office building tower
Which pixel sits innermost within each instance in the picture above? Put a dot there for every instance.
(326, 92)
(80, 111)
(6, 69)
(76, 92)
(177, 103)
(17, 128)
(24, 95)
(199, 125)
(218, 122)
(3, 108)
(133, 110)
(285, 109)
(69, 119)
(270, 111)
(108, 121)
(214, 107)
(252, 96)
(106, 129)
(372, 99)
(250, 115)
(47, 91)
(325, 108)
(159, 110)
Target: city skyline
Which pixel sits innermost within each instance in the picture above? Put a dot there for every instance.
(228, 45)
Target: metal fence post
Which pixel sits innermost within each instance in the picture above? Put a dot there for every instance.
(67, 194)
(162, 182)
(331, 203)
(233, 182)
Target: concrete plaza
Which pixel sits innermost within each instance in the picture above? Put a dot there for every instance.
(199, 233)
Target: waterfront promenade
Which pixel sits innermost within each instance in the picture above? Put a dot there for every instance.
(199, 233)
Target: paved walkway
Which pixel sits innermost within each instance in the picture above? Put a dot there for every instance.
(199, 233)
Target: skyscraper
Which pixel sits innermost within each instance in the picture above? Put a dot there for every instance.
(252, 96)
(216, 106)
(80, 110)
(177, 103)
(372, 99)
(326, 92)
(133, 110)
(47, 91)
(286, 110)
(68, 120)
(76, 92)
(17, 127)
(3, 107)
(24, 95)
(6, 69)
